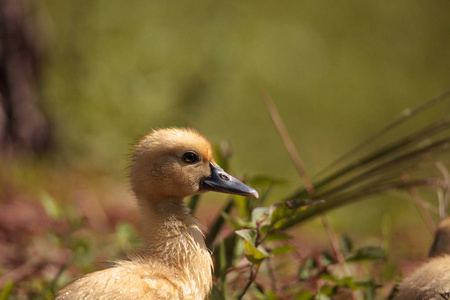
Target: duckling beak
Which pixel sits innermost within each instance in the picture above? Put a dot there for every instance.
(220, 181)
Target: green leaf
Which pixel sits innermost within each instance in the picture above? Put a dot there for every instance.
(126, 236)
(279, 214)
(305, 295)
(51, 207)
(367, 284)
(346, 245)
(254, 255)
(259, 215)
(322, 297)
(7, 290)
(326, 258)
(367, 253)
(283, 249)
(347, 282)
(282, 213)
(327, 290)
(248, 234)
(308, 269)
(329, 277)
(270, 295)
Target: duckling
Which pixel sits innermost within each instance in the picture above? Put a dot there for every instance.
(169, 164)
(431, 281)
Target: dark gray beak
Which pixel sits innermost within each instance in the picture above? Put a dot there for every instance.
(220, 181)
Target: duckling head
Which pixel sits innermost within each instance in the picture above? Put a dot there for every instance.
(174, 163)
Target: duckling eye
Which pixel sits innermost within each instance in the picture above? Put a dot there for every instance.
(191, 157)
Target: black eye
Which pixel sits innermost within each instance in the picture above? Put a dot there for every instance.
(191, 157)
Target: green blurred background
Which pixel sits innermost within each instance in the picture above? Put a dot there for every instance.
(337, 71)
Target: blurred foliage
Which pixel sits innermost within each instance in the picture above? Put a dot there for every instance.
(117, 69)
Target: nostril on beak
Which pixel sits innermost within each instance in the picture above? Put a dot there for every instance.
(224, 177)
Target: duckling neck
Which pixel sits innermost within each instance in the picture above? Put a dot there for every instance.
(164, 220)
(173, 239)
(172, 234)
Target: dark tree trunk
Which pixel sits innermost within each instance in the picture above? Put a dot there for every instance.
(23, 127)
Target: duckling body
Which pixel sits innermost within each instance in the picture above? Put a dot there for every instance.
(431, 279)
(169, 164)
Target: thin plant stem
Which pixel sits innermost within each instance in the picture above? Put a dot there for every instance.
(298, 163)
(420, 207)
(270, 270)
(446, 195)
(288, 143)
(335, 247)
(404, 116)
(253, 272)
(362, 192)
(333, 240)
(384, 153)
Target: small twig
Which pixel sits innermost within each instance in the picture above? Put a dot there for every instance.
(270, 270)
(238, 269)
(335, 247)
(251, 278)
(419, 204)
(446, 195)
(288, 143)
(333, 240)
(61, 271)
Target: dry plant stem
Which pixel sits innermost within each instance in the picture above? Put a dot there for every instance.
(446, 196)
(336, 249)
(427, 206)
(386, 152)
(420, 207)
(60, 272)
(441, 204)
(333, 240)
(238, 269)
(357, 194)
(404, 116)
(253, 272)
(404, 161)
(270, 270)
(289, 145)
(295, 157)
